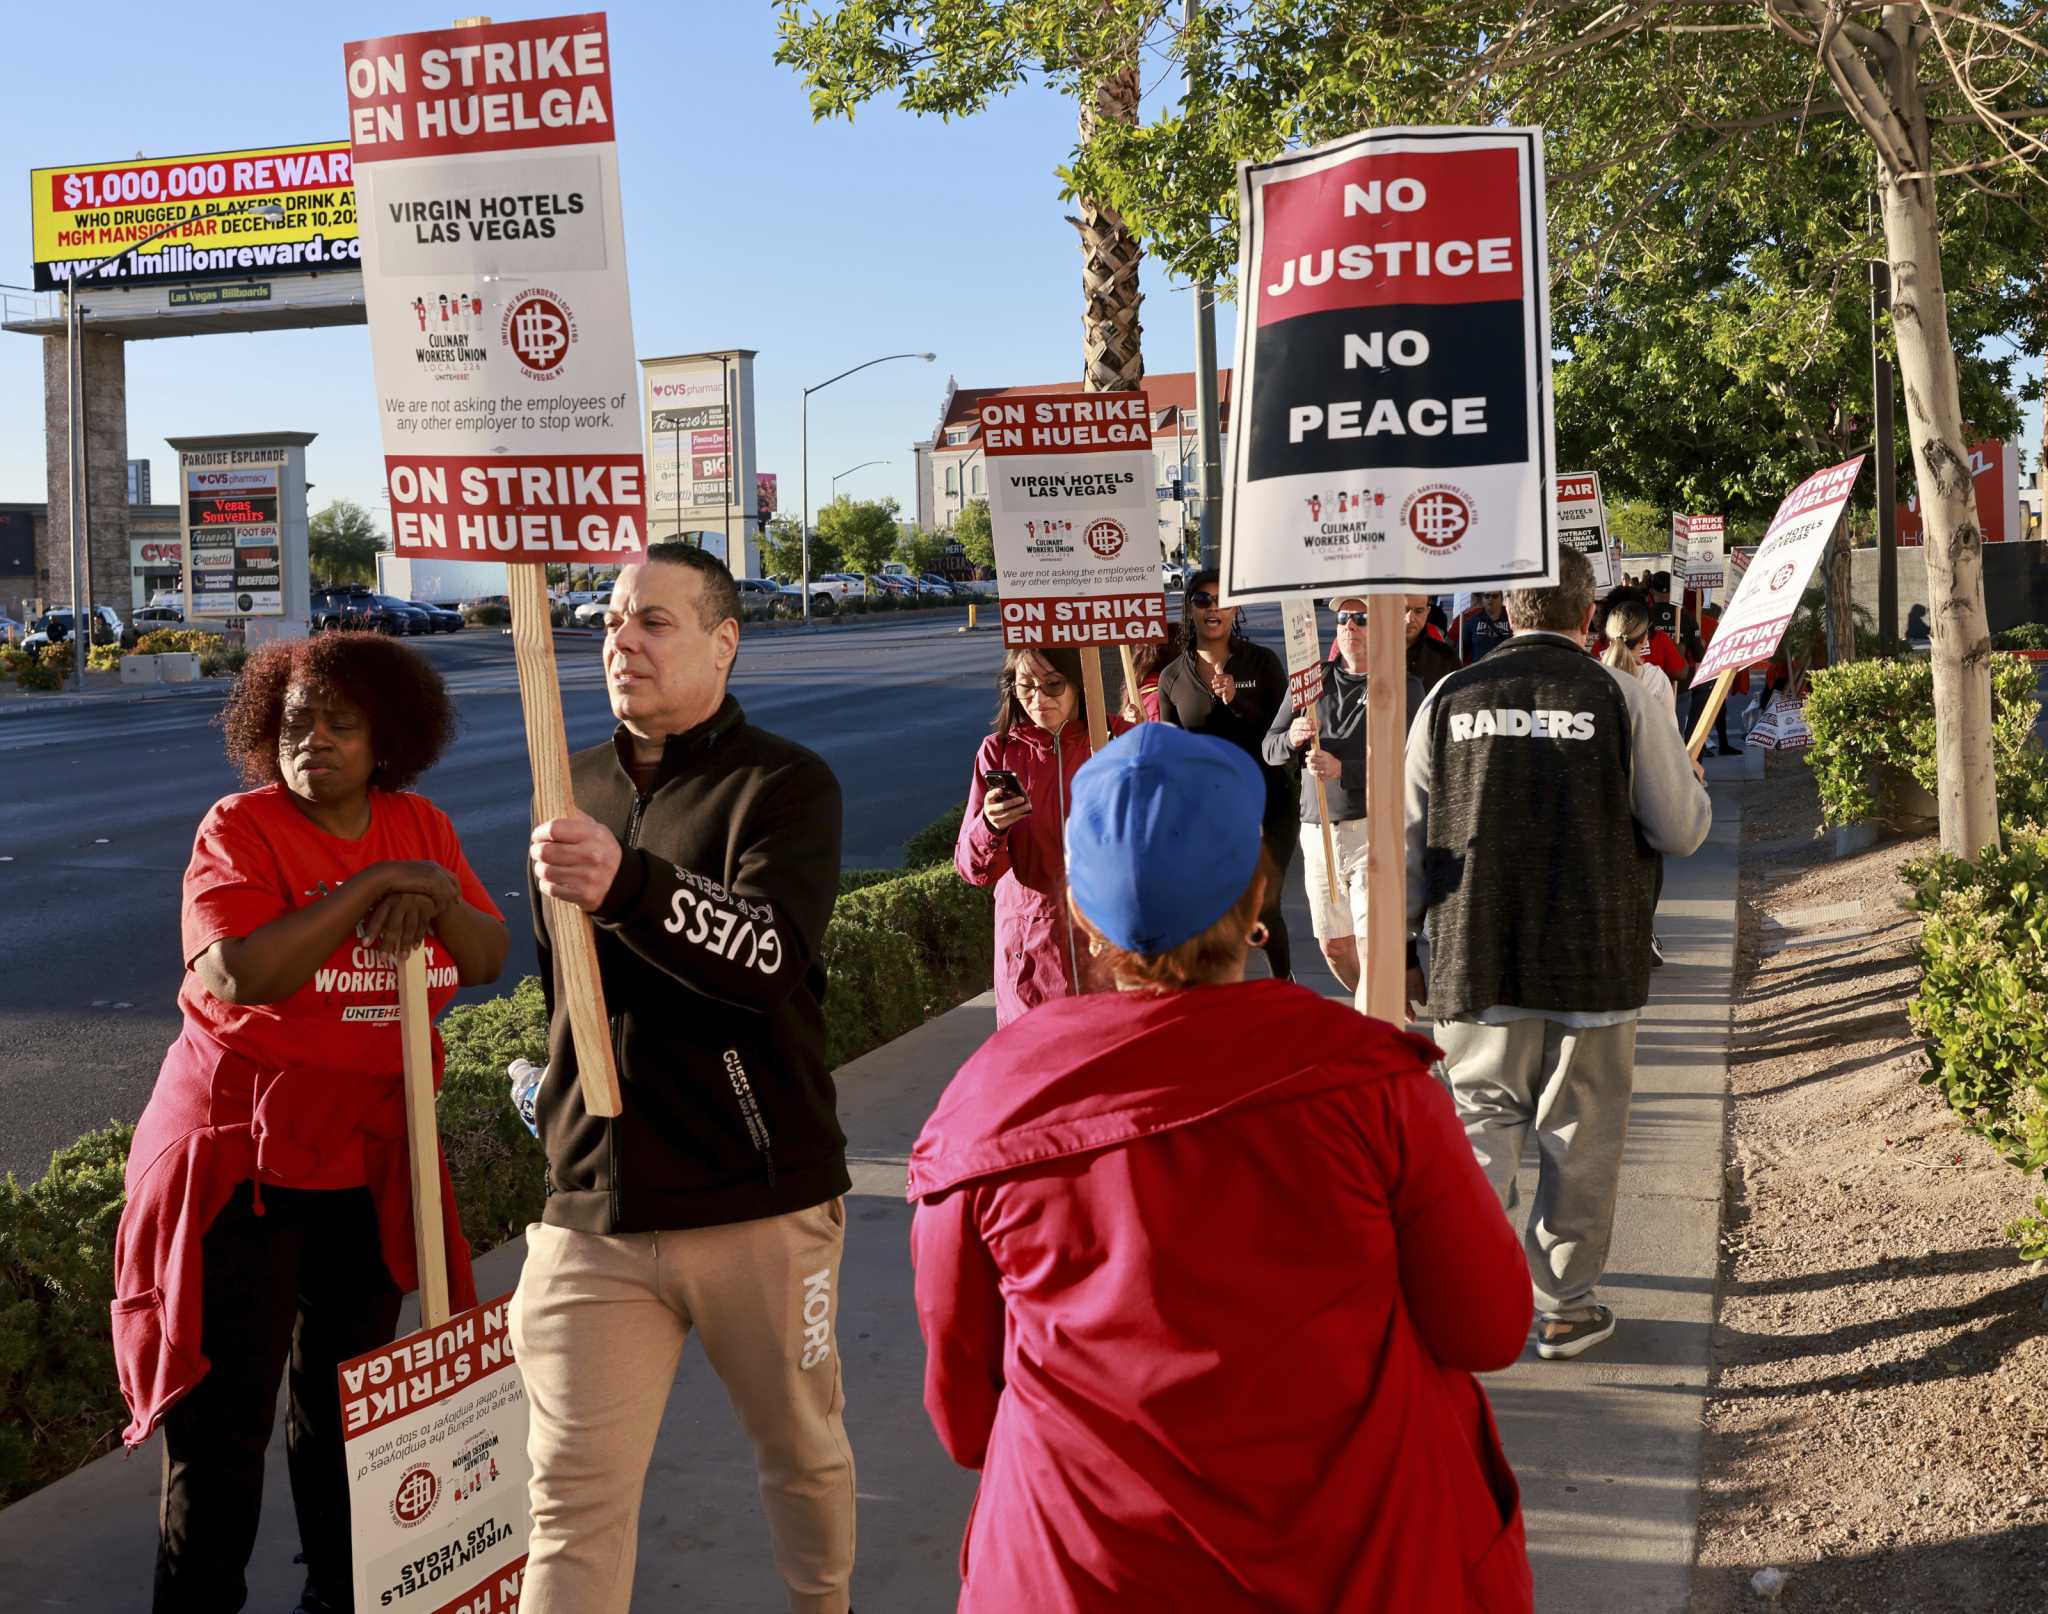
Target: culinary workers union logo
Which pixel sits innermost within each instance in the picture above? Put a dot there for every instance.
(418, 1490)
(540, 330)
(1105, 537)
(1439, 515)
(1781, 576)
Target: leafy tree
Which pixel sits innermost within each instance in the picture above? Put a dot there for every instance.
(921, 551)
(342, 543)
(975, 533)
(862, 532)
(952, 57)
(783, 549)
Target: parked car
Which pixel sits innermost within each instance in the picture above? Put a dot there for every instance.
(416, 618)
(823, 600)
(840, 585)
(758, 598)
(148, 618)
(54, 627)
(884, 583)
(933, 583)
(441, 618)
(590, 613)
(360, 610)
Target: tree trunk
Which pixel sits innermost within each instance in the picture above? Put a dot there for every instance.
(1841, 598)
(1112, 345)
(1948, 498)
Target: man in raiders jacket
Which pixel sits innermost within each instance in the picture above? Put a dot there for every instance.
(1541, 790)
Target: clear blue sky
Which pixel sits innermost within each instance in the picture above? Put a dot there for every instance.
(746, 226)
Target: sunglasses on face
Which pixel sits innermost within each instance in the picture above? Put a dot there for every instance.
(1051, 689)
(1346, 619)
(1202, 599)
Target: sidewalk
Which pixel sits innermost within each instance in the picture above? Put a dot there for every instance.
(1607, 1447)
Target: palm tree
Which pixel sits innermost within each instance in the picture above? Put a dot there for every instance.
(1112, 337)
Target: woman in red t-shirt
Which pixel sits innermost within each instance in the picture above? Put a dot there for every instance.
(268, 1221)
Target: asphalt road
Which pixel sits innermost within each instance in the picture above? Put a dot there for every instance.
(98, 808)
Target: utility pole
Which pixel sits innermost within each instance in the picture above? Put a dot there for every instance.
(1208, 414)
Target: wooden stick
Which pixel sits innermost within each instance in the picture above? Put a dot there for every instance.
(1131, 680)
(1091, 689)
(422, 1137)
(1715, 701)
(547, 747)
(1384, 976)
(1315, 745)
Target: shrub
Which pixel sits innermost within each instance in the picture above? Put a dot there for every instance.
(901, 952)
(60, 1404)
(224, 662)
(105, 658)
(1870, 715)
(2027, 636)
(496, 1164)
(497, 616)
(172, 641)
(1983, 1001)
(934, 843)
(56, 658)
(32, 674)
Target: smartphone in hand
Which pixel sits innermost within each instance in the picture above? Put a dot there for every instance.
(1003, 779)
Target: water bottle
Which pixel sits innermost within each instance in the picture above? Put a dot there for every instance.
(526, 1079)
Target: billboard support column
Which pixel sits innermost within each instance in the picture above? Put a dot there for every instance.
(75, 493)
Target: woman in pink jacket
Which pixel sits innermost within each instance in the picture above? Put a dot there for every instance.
(1015, 841)
(1205, 1266)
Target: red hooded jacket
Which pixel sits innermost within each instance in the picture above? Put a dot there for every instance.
(1203, 1279)
(1039, 954)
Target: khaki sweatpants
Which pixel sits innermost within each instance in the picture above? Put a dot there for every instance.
(1573, 1087)
(599, 1323)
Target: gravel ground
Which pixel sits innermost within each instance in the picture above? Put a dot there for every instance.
(1877, 1427)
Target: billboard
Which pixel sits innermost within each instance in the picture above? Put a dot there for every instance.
(689, 441)
(88, 211)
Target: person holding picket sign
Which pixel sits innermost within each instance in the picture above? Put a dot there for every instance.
(1330, 743)
(1012, 835)
(1226, 686)
(1205, 1267)
(269, 1214)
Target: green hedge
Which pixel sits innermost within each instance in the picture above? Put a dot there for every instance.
(900, 948)
(2027, 636)
(1983, 1002)
(1869, 715)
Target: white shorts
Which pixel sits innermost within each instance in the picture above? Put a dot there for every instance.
(1345, 917)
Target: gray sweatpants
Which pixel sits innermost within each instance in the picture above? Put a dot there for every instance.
(1573, 1087)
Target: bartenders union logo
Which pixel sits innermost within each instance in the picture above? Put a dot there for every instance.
(539, 329)
(1438, 515)
(419, 1488)
(1782, 576)
(1105, 537)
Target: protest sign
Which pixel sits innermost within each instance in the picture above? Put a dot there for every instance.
(1582, 524)
(1696, 547)
(1077, 552)
(1768, 595)
(1305, 686)
(1393, 422)
(494, 279)
(434, 1436)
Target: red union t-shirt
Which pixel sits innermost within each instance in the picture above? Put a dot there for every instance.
(255, 859)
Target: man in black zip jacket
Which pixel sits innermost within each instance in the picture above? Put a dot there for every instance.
(706, 851)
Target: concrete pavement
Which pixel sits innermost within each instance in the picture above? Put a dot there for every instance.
(1607, 1447)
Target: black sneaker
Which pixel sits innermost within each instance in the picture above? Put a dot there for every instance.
(1567, 1336)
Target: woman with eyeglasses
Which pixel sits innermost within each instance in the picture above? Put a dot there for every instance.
(1223, 684)
(1013, 833)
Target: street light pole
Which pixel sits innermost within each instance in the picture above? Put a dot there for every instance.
(805, 450)
(864, 464)
(79, 501)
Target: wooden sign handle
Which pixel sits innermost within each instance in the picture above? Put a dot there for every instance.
(1091, 689)
(1715, 701)
(1383, 985)
(547, 747)
(1315, 744)
(422, 1137)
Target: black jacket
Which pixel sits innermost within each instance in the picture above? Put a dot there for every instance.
(1431, 660)
(707, 944)
(1261, 679)
(1340, 725)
